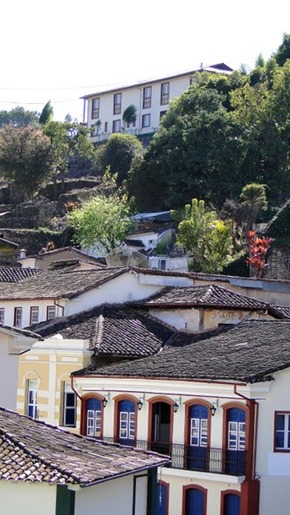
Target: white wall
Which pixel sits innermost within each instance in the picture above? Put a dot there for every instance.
(24, 498)
(134, 95)
(124, 288)
(8, 374)
(112, 498)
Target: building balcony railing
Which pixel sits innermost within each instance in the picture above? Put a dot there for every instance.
(203, 459)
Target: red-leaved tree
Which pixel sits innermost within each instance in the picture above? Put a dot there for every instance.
(257, 250)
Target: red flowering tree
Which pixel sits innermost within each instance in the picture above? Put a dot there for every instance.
(257, 250)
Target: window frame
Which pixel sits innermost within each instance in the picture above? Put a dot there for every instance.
(36, 309)
(95, 113)
(118, 121)
(2, 315)
(286, 414)
(18, 311)
(48, 308)
(146, 116)
(164, 95)
(147, 98)
(67, 390)
(117, 103)
(31, 401)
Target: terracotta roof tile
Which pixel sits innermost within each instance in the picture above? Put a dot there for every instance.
(210, 295)
(14, 274)
(58, 283)
(37, 452)
(248, 352)
(113, 330)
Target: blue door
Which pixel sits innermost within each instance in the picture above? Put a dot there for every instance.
(232, 504)
(198, 438)
(235, 455)
(194, 502)
(162, 499)
(126, 430)
(93, 422)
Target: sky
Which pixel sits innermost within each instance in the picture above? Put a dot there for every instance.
(60, 50)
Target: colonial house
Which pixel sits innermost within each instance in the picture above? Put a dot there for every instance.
(13, 343)
(53, 472)
(49, 471)
(219, 406)
(45, 259)
(204, 307)
(104, 334)
(52, 293)
(148, 101)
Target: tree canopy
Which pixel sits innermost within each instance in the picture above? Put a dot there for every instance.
(102, 220)
(19, 117)
(118, 154)
(26, 157)
(225, 131)
(205, 238)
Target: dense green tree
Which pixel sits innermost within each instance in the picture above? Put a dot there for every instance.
(118, 153)
(205, 238)
(102, 220)
(283, 52)
(71, 144)
(26, 157)
(254, 199)
(19, 117)
(46, 114)
(195, 152)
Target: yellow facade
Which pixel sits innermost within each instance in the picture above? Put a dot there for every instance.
(48, 366)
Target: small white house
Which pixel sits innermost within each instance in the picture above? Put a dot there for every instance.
(50, 471)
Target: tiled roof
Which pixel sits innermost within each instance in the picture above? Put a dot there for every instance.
(59, 283)
(279, 311)
(15, 274)
(248, 352)
(37, 452)
(210, 295)
(23, 332)
(113, 330)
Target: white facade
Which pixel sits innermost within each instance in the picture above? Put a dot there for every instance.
(120, 289)
(271, 466)
(115, 496)
(12, 343)
(104, 110)
(26, 498)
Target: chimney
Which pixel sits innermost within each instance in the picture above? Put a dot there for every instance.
(22, 253)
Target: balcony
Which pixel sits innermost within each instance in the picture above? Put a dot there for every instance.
(203, 459)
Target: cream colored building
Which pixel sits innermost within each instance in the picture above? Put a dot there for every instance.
(219, 407)
(104, 109)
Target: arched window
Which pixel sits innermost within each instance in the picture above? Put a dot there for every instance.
(92, 415)
(230, 503)
(197, 430)
(160, 425)
(126, 422)
(194, 500)
(235, 441)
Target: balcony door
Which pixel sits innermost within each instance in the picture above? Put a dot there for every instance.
(127, 422)
(197, 449)
(161, 427)
(236, 434)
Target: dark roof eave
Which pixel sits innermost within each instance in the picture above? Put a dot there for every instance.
(198, 305)
(124, 474)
